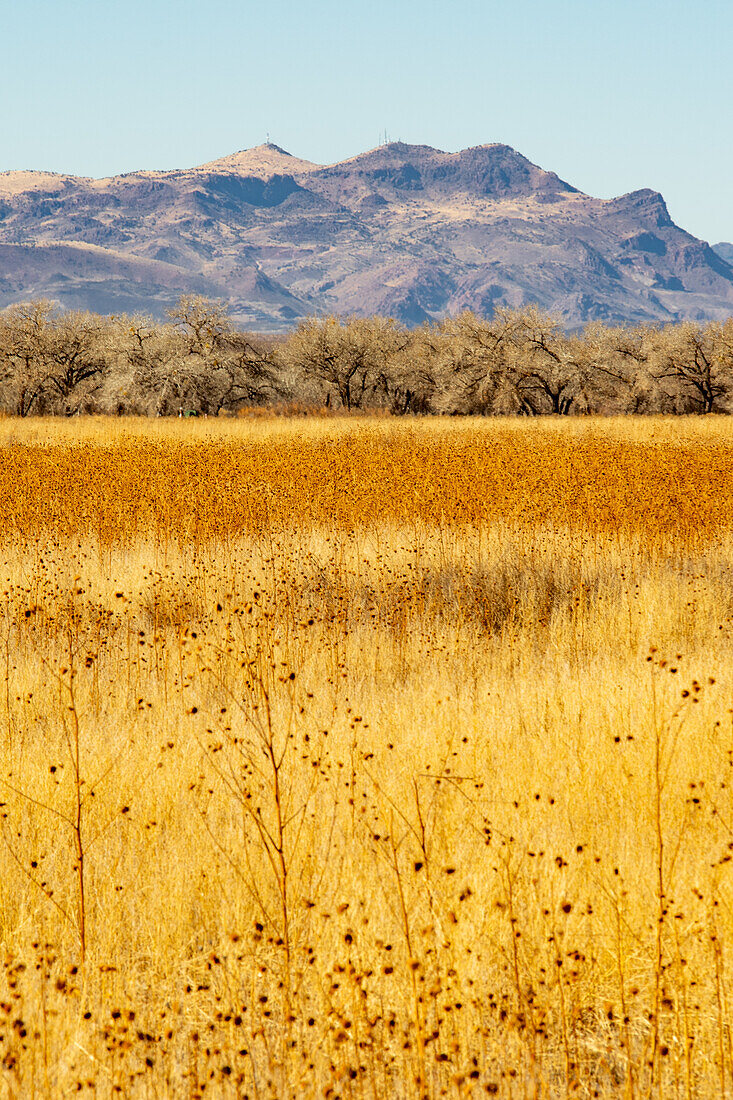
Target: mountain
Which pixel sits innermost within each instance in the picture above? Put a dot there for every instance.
(403, 230)
(725, 251)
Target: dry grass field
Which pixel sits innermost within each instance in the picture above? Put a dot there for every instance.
(363, 759)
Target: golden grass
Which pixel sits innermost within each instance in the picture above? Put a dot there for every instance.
(366, 759)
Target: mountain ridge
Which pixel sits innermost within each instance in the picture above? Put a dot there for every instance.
(407, 230)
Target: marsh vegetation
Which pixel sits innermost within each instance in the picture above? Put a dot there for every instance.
(366, 758)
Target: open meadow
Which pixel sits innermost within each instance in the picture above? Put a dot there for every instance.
(366, 758)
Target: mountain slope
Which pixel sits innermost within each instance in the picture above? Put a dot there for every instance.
(404, 230)
(725, 251)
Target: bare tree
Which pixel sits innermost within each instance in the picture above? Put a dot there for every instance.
(197, 364)
(203, 322)
(22, 362)
(75, 354)
(409, 379)
(350, 359)
(50, 361)
(548, 367)
(694, 365)
(474, 357)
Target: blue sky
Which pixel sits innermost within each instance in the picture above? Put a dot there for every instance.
(611, 94)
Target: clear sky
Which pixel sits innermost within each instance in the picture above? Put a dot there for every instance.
(613, 95)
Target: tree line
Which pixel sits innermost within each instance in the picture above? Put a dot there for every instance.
(519, 362)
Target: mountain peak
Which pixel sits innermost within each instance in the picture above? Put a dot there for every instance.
(492, 171)
(261, 161)
(18, 182)
(647, 204)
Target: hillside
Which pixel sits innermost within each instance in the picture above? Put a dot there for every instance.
(404, 230)
(725, 250)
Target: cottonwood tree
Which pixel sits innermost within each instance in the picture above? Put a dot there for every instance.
(75, 356)
(203, 322)
(693, 364)
(474, 357)
(407, 381)
(620, 360)
(245, 373)
(198, 363)
(51, 361)
(149, 355)
(22, 361)
(352, 360)
(548, 368)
